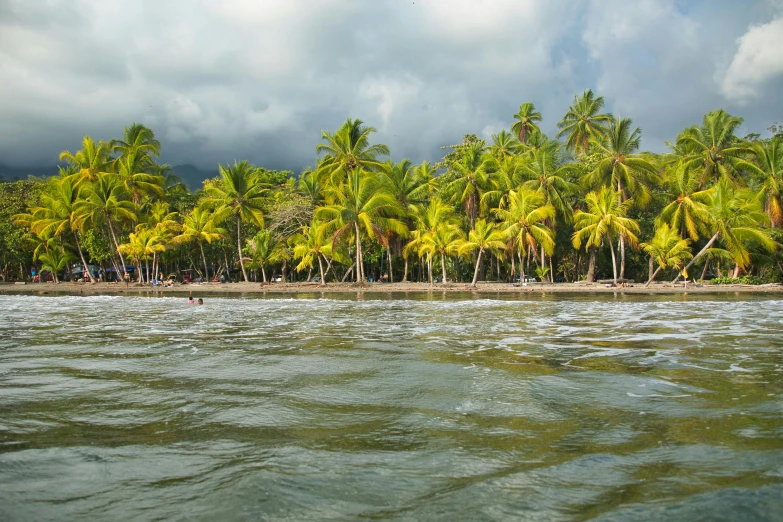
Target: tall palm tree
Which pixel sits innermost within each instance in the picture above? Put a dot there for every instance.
(361, 204)
(444, 241)
(90, 161)
(584, 122)
(526, 121)
(471, 179)
(199, 226)
(684, 213)
(737, 219)
(504, 145)
(668, 249)
(767, 167)
(620, 166)
(603, 221)
(239, 193)
(428, 218)
(106, 201)
(712, 148)
(485, 237)
(137, 180)
(138, 141)
(347, 150)
(547, 172)
(525, 223)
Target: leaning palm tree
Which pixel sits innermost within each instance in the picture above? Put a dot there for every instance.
(584, 122)
(737, 219)
(347, 150)
(667, 249)
(526, 121)
(603, 221)
(525, 221)
(361, 204)
(713, 149)
(486, 237)
(767, 167)
(197, 227)
(237, 192)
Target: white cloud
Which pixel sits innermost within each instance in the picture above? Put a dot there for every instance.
(391, 94)
(759, 58)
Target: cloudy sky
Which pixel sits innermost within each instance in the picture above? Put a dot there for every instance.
(259, 80)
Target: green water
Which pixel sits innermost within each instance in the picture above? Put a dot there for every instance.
(400, 407)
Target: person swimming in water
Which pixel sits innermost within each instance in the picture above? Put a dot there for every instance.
(200, 301)
(190, 298)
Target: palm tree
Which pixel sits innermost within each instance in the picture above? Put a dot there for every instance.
(443, 241)
(584, 122)
(547, 173)
(737, 219)
(405, 181)
(138, 142)
(713, 149)
(668, 249)
(55, 259)
(137, 181)
(620, 166)
(200, 226)
(140, 246)
(427, 220)
(311, 244)
(347, 150)
(484, 237)
(524, 223)
(526, 120)
(93, 159)
(504, 145)
(264, 249)
(685, 213)
(105, 201)
(238, 192)
(471, 179)
(767, 166)
(604, 220)
(362, 203)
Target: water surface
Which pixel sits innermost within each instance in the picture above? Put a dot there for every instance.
(401, 407)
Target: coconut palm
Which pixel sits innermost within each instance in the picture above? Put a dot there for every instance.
(90, 161)
(106, 201)
(199, 226)
(470, 180)
(524, 223)
(361, 204)
(311, 244)
(526, 121)
(712, 148)
(584, 122)
(405, 181)
(137, 180)
(486, 237)
(504, 145)
(603, 221)
(667, 249)
(737, 219)
(138, 142)
(55, 259)
(767, 167)
(620, 166)
(444, 241)
(349, 149)
(240, 194)
(685, 213)
(141, 245)
(264, 249)
(547, 172)
(427, 219)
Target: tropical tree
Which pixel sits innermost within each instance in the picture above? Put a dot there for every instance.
(524, 223)
(712, 148)
(347, 150)
(737, 219)
(584, 122)
(667, 249)
(361, 204)
(55, 259)
(88, 162)
(444, 241)
(200, 226)
(504, 145)
(526, 121)
(141, 246)
(485, 237)
(684, 213)
(547, 172)
(428, 219)
(470, 180)
(604, 220)
(309, 245)
(264, 249)
(767, 167)
(237, 193)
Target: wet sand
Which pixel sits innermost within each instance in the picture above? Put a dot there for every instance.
(201, 289)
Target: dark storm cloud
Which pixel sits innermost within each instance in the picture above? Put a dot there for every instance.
(260, 80)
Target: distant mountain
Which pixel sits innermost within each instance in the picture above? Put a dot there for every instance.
(193, 176)
(15, 173)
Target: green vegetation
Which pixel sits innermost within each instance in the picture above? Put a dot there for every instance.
(593, 206)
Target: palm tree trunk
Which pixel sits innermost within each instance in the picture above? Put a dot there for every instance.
(476, 271)
(405, 273)
(590, 278)
(697, 256)
(117, 246)
(81, 256)
(389, 254)
(359, 260)
(204, 259)
(263, 273)
(239, 248)
(653, 276)
(443, 267)
(704, 272)
(350, 269)
(614, 260)
(321, 270)
(621, 239)
(521, 268)
(429, 268)
(651, 267)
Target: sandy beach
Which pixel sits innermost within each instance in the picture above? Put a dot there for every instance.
(201, 289)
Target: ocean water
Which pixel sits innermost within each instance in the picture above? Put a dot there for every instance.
(392, 407)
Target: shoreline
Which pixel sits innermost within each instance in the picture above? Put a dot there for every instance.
(218, 289)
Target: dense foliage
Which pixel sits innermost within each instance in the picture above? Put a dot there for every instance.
(593, 206)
